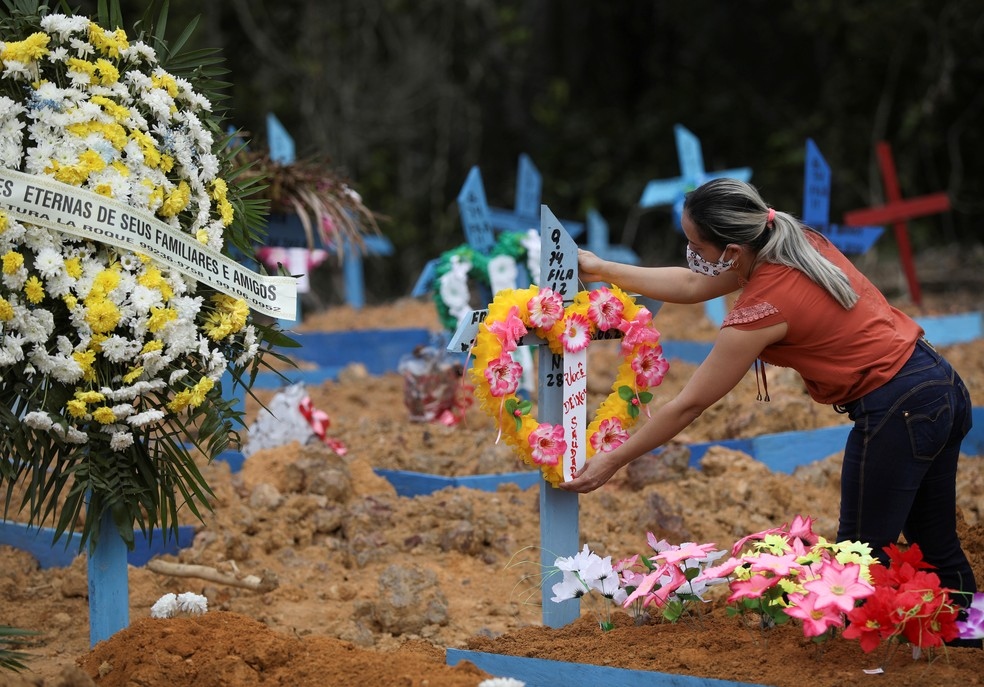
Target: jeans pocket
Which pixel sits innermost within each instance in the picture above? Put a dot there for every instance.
(929, 427)
(968, 418)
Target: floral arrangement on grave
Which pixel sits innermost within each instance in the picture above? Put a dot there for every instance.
(120, 308)
(327, 206)
(460, 266)
(782, 575)
(496, 375)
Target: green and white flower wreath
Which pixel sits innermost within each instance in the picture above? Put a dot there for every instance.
(498, 270)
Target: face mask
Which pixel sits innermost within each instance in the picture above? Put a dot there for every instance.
(702, 266)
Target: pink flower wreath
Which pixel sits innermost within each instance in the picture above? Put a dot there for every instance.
(495, 374)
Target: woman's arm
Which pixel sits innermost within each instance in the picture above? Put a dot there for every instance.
(667, 284)
(731, 357)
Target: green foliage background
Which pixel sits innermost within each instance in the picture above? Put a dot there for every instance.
(406, 96)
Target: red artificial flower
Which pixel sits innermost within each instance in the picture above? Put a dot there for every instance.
(874, 620)
(913, 556)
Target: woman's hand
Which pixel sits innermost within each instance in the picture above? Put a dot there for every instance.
(590, 266)
(593, 474)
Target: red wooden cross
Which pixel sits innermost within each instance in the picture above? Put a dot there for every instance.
(897, 211)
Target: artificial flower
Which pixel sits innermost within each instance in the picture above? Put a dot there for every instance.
(606, 309)
(548, 444)
(577, 333)
(610, 435)
(838, 586)
(972, 627)
(546, 309)
(454, 268)
(817, 617)
(503, 375)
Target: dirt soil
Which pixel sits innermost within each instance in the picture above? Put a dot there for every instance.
(371, 588)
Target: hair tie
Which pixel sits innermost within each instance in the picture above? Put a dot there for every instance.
(772, 216)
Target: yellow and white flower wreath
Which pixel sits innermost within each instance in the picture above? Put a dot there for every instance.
(515, 312)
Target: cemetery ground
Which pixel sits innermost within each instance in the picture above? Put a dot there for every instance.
(369, 587)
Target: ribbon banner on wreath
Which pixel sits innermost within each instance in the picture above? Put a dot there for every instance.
(88, 215)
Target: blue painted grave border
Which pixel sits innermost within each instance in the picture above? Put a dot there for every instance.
(537, 672)
(40, 543)
(380, 350)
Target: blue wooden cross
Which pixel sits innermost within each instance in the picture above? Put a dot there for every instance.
(672, 192)
(816, 207)
(559, 526)
(480, 221)
(526, 212)
(599, 245)
(692, 174)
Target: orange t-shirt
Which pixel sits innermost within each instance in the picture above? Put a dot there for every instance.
(841, 354)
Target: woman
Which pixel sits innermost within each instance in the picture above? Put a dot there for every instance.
(803, 305)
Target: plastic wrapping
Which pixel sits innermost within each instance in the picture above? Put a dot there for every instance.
(432, 385)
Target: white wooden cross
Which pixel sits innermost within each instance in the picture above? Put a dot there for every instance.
(561, 392)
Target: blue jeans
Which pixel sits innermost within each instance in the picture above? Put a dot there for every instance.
(900, 466)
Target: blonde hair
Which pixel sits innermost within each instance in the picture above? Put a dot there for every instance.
(731, 211)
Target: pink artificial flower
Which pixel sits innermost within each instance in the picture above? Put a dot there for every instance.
(610, 435)
(717, 572)
(546, 308)
(802, 528)
(624, 564)
(650, 366)
(749, 537)
(778, 565)
(644, 590)
(839, 586)
(630, 578)
(645, 585)
(577, 333)
(637, 331)
(509, 330)
(683, 552)
(752, 588)
(547, 442)
(605, 309)
(503, 375)
(816, 619)
(657, 546)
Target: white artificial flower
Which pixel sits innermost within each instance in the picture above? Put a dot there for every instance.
(82, 48)
(531, 242)
(453, 285)
(570, 587)
(146, 418)
(120, 441)
(502, 273)
(119, 349)
(62, 26)
(192, 603)
(38, 420)
(76, 436)
(144, 298)
(164, 607)
(138, 50)
(49, 262)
